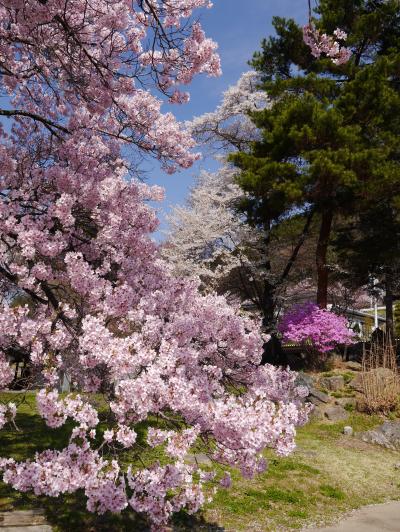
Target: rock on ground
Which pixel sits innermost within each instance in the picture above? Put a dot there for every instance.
(335, 413)
(32, 528)
(346, 401)
(330, 412)
(317, 398)
(303, 379)
(386, 435)
(354, 366)
(382, 376)
(333, 384)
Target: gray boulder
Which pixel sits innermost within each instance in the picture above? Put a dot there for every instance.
(386, 435)
(346, 401)
(335, 413)
(303, 379)
(348, 431)
(333, 384)
(357, 383)
(380, 376)
(354, 366)
(317, 398)
(330, 412)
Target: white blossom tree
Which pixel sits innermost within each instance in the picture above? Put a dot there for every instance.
(229, 126)
(209, 238)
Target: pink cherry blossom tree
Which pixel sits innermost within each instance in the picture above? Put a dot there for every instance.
(102, 307)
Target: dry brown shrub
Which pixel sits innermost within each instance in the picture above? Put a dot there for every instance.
(380, 381)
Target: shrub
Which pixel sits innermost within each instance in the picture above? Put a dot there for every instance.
(315, 328)
(380, 383)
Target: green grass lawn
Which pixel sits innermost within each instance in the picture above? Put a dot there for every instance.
(327, 475)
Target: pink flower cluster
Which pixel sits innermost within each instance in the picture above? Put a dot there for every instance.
(179, 443)
(163, 490)
(56, 411)
(310, 325)
(75, 467)
(321, 43)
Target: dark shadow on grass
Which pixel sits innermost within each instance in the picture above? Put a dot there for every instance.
(33, 436)
(185, 523)
(68, 513)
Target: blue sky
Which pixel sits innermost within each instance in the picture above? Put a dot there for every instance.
(238, 26)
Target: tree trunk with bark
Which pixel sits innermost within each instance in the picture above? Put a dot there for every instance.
(321, 256)
(273, 351)
(389, 299)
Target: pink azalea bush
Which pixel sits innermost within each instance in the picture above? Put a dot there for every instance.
(321, 43)
(104, 309)
(313, 326)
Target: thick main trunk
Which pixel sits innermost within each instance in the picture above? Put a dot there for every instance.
(273, 352)
(321, 255)
(389, 298)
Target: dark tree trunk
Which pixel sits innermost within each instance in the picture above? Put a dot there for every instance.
(321, 254)
(268, 293)
(389, 298)
(273, 351)
(295, 252)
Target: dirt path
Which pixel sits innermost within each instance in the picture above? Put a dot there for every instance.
(24, 521)
(377, 518)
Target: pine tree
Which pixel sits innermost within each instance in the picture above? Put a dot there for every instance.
(330, 141)
(369, 249)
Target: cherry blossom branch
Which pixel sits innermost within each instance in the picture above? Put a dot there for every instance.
(321, 43)
(49, 124)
